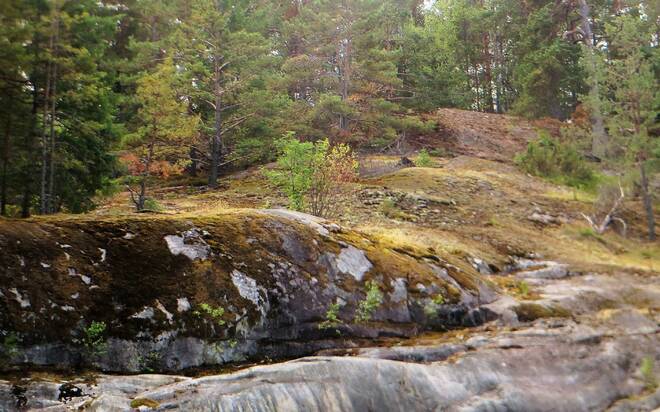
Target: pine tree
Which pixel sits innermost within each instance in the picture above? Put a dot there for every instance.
(164, 130)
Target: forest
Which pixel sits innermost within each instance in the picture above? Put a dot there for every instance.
(97, 94)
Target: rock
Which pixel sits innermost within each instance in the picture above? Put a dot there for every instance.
(494, 374)
(267, 278)
(405, 162)
(354, 262)
(190, 244)
(543, 219)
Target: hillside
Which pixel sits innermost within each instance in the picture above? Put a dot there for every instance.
(483, 274)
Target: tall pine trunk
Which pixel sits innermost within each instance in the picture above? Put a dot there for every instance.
(599, 141)
(216, 140)
(5, 164)
(345, 78)
(648, 202)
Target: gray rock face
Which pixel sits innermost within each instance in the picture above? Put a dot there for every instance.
(193, 293)
(534, 369)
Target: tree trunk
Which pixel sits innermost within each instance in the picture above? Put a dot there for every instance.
(216, 140)
(599, 140)
(30, 138)
(142, 196)
(192, 169)
(345, 78)
(43, 197)
(488, 75)
(5, 162)
(51, 157)
(648, 202)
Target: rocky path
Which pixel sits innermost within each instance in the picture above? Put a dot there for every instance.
(584, 343)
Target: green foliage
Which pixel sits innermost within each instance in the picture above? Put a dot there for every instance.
(439, 299)
(424, 159)
(312, 175)
(372, 301)
(152, 205)
(211, 312)
(559, 162)
(94, 338)
(295, 172)
(522, 288)
(9, 348)
(331, 317)
(647, 370)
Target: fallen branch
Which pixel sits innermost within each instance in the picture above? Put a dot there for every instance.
(609, 218)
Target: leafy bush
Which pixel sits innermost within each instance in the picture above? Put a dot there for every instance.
(556, 161)
(152, 205)
(331, 317)
(214, 313)
(371, 302)
(648, 373)
(424, 159)
(313, 175)
(9, 348)
(94, 338)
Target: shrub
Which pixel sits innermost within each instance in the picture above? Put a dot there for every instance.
(313, 175)
(371, 302)
(9, 348)
(94, 338)
(424, 159)
(152, 205)
(331, 317)
(214, 313)
(648, 374)
(556, 161)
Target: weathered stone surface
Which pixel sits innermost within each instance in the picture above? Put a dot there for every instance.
(185, 293)
(534, 369)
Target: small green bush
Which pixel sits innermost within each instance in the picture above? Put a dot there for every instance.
(523, 288)
(331, 317)
(648, 373)
(214, 313)
(424, 159)
(313, 175)
(371, 302)
(558, 162)
(152, 205)
(94, 338)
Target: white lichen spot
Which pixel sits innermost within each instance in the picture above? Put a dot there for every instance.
(75, 295)
(45, 265)
(146, 313)
(23, 301)
(247, 287)
(183, 305)
(104, 254)
(190, 244)
(65, 246)
(21, 261)
(354, 262)
(86, 279)
(68, 308)
(129, 236)
(400, 293)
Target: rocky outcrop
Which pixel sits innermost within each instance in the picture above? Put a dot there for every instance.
(170, 294)
(550, 365)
